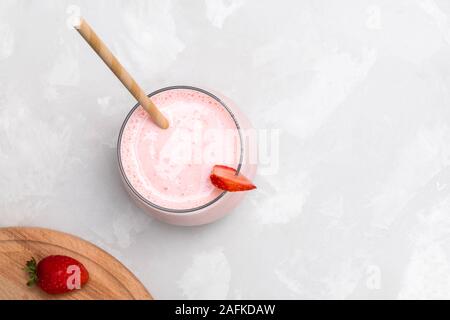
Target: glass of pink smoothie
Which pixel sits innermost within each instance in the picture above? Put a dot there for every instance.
(167, 171)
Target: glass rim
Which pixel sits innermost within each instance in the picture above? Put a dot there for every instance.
(128, 183)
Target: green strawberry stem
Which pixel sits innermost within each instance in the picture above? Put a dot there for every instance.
(31, 268)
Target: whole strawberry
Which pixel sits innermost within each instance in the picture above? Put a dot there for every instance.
(57, 274)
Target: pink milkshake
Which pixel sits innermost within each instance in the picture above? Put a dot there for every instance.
(168, 171)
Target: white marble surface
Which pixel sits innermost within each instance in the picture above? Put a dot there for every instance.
(360, 90)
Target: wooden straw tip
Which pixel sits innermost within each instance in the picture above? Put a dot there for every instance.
(163, 123)
(76, 22)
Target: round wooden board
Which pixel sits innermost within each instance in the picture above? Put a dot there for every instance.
(109, 279)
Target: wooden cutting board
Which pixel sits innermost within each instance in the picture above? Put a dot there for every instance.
(108, 278)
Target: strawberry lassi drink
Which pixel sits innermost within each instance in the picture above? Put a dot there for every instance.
(169, 172)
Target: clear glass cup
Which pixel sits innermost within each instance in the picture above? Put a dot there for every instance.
(223, 203)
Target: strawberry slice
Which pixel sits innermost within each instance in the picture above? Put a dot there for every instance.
(227, 179)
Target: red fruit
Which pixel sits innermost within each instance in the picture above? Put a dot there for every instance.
(57, 274)
(228, 179)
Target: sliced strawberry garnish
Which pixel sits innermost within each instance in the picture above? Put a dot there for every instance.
(227, 179)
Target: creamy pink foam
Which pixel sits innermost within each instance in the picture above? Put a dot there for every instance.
(171, 167)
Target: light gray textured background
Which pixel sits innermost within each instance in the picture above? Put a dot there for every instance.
(360, 207)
